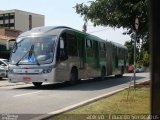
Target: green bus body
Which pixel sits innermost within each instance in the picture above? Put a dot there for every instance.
(103, 54)
(84, 56)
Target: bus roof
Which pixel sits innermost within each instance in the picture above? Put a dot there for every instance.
(57, 30)
(118, 45)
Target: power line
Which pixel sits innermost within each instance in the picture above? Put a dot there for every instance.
(97, 31)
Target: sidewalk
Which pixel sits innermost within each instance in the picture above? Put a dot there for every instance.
(4, 82)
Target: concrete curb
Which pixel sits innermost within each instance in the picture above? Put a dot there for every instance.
(57, 112)
(11, 84)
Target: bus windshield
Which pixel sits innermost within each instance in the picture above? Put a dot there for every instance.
(42, 52)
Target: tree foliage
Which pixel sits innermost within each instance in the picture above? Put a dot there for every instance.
(142, 56)
(130, 52)
(117, 13)
(120, 13)
(130, 47)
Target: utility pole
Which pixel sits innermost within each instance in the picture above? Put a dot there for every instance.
(85, 27)
(136, 27)
(155, 58)
(135, 59)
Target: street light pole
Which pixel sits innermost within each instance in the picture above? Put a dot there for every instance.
(136, 28)
(135, 59)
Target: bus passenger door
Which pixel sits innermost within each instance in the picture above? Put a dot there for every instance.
(96, 54)
(109, 58)
(81, 51)
(62, 49)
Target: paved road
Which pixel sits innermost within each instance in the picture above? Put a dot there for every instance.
(26, 99)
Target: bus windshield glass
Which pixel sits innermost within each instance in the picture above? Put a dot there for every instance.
(33, 50)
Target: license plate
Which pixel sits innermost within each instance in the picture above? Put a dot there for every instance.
(26, 78)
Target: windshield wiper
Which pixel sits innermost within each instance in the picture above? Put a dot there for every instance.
(22, 58)
(29, 52)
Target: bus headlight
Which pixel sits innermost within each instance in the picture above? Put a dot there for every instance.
(47, 70)
(10, 71)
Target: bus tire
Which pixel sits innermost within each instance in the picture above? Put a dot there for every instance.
(37, 84)
(119, 75)
(122, 70)
(103, 72)
(73, 76)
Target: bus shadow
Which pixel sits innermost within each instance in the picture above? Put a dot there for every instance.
(86, 85)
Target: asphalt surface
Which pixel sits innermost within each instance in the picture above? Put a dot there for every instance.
(25, 101)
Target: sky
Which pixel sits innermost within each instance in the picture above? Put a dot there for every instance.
(62, 13)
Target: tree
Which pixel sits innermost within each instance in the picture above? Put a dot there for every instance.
(130, 52)
(143, 58)
(117, 13)
(130, 47)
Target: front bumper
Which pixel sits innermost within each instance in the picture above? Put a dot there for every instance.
(47, 77)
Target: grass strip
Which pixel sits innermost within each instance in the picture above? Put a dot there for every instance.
(128, 102)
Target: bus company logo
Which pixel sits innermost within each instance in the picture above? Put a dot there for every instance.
(26, 71)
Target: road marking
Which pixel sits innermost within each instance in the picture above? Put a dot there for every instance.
(26, 94)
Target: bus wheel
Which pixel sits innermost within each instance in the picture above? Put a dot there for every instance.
(37, 84)
(119, 75)
(74, 76)
(122, 70)
(103, 72)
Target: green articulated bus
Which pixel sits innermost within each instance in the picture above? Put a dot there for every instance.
(59, 54)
